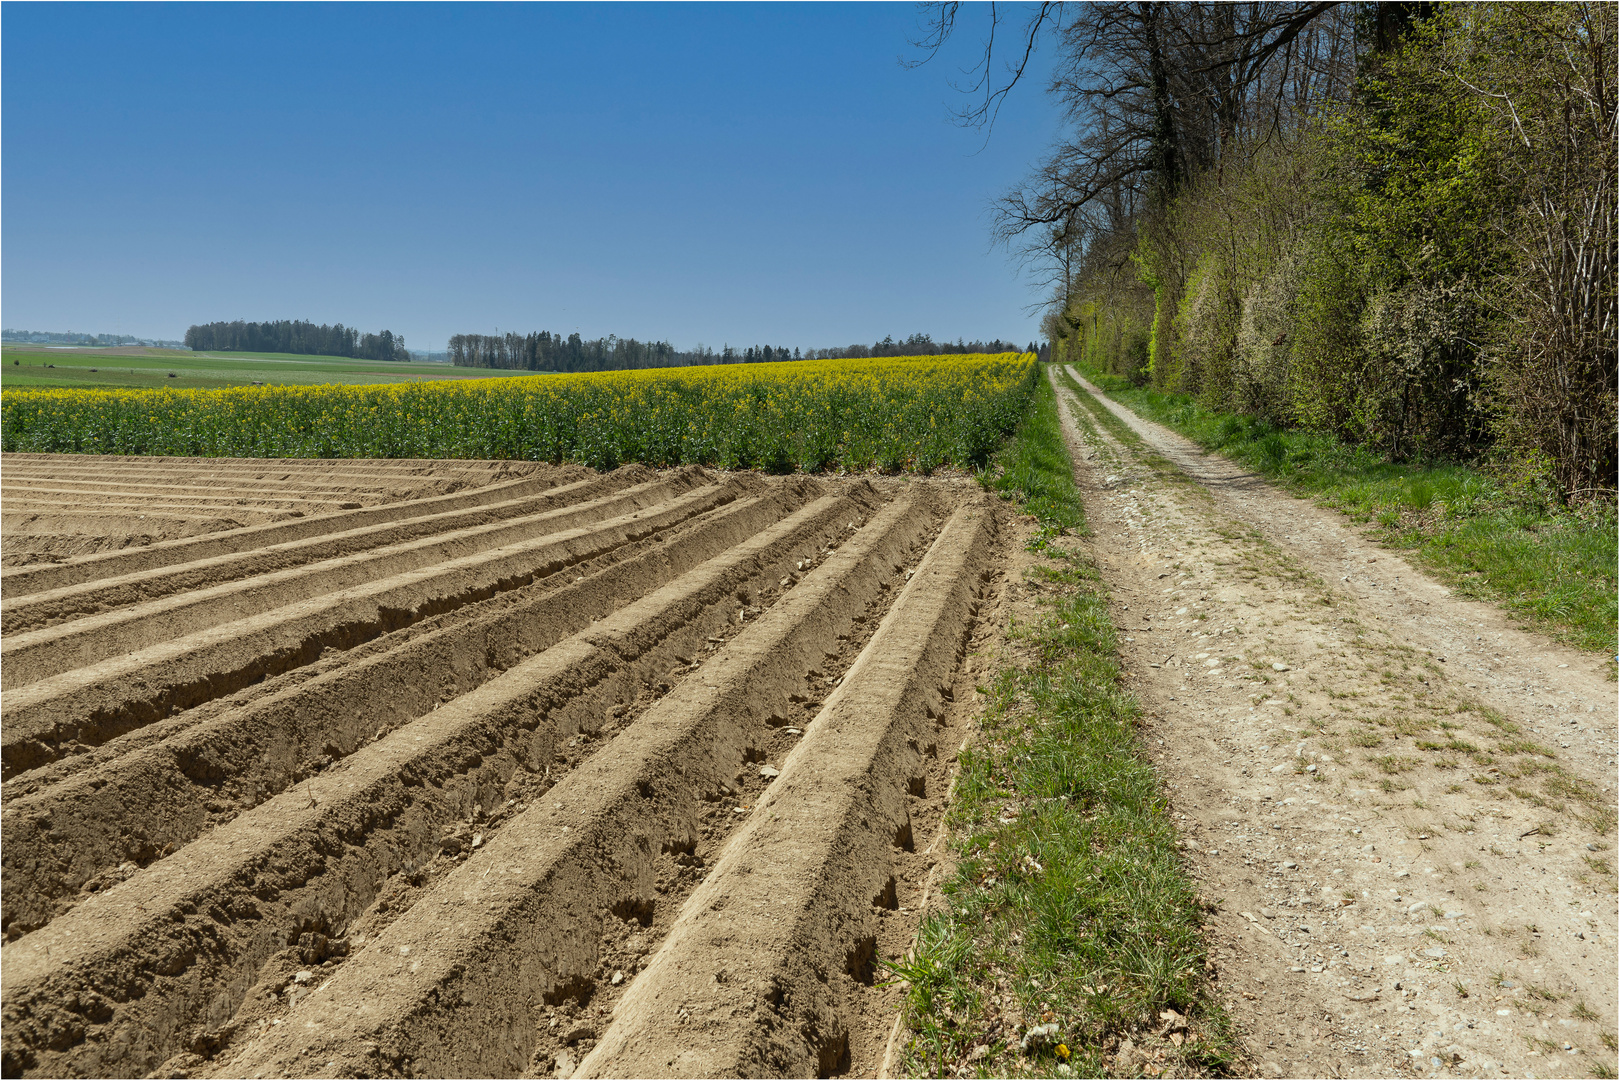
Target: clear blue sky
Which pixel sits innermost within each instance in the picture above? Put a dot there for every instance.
(733, 173)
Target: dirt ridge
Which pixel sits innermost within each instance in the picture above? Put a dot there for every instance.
(18, 581)
(96, 636)
(88, 706)
(44, 608)
(162, 795)
(741, 985)
(221, 879)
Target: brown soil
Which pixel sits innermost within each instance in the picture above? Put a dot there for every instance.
(503, 770)
(58, 507)
(1402, 803)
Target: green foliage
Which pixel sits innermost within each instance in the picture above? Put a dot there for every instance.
(1427, 269)
(917, 413)
(31, 367)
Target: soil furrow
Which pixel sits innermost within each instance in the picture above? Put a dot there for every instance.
(679, 538)
(211, 487)
(38, 654)
(457, 985)
(90, 705)
(161, 962)
(157, 798)
(22, 581)
(41, 609)
(352, 471)
(51, 502)
(760, 975)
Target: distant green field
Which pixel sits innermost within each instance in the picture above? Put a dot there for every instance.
(32, 366)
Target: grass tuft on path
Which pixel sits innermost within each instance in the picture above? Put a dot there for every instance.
(1070, 940)
(1495, 535)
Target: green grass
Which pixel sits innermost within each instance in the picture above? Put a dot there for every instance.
(1033, 467)
(33, 367)
(1488, 536)
(1069, 905)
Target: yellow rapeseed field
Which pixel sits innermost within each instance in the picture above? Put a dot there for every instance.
(914, 413)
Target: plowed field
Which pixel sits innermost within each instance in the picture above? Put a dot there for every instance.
(468, 768)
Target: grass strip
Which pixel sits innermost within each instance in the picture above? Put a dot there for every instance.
(1033, 468)
(1493, 534)
(1070, 941)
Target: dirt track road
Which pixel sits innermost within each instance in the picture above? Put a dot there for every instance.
(1402, 803)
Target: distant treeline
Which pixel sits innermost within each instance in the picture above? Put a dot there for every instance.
(294, 336)
(545, 351)
(53, 337)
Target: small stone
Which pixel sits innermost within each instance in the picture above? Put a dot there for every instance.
(1309, 768)
(769, 772)
(618, 977)
(1278, 667)
(303, 977)
(477, 841)
(577, 1032)
(1290, 866)
(795, 731)
(739, 809)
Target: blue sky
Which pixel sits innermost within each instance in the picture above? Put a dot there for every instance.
(717, 173)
